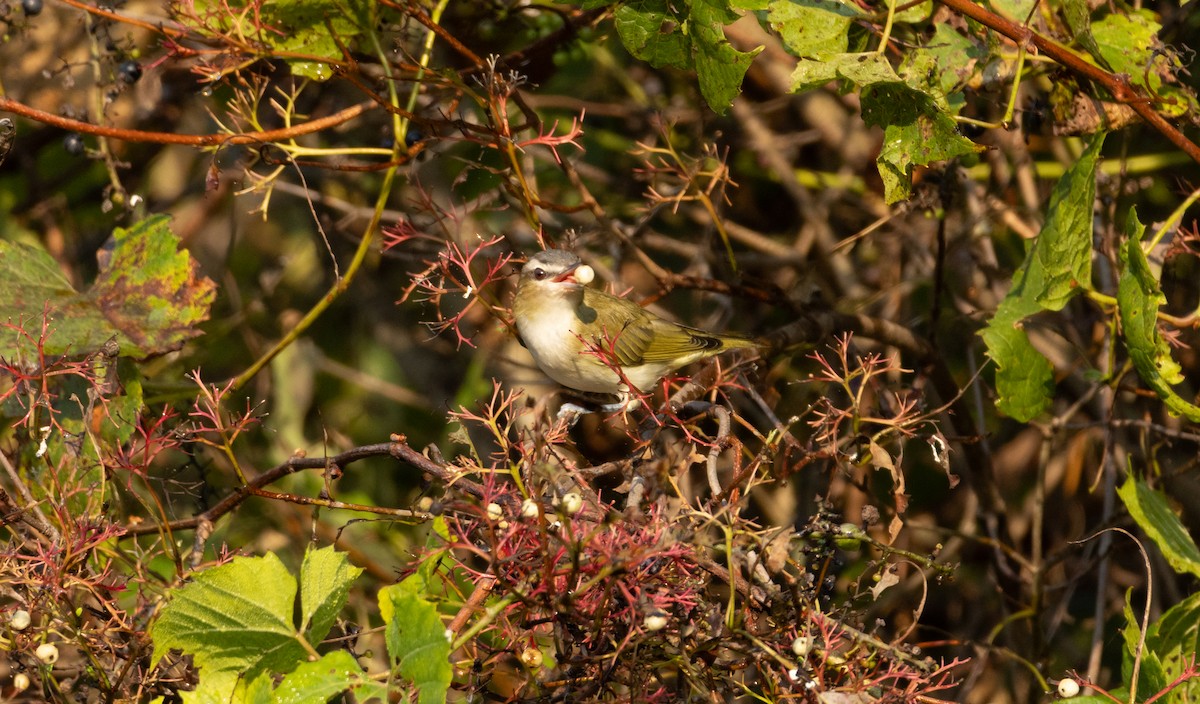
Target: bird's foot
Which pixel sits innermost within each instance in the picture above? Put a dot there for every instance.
(627, 403)
(571, 413)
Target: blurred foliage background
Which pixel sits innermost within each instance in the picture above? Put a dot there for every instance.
(500, 128)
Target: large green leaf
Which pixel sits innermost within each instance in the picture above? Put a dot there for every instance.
(649, 30)
(1056, 268)
(1170, 646)
(945, 63)
(863, 70)
(237, 622)
(148, 297)
(1176, 639)
(719, 67)
(1155, 517)
(1138, 300)
(1152, 677)
(1064, 246)
(1129, 43)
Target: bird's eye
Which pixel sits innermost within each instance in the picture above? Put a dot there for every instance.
(539, 274)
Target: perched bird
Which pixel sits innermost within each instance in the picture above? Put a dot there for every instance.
(571, 330)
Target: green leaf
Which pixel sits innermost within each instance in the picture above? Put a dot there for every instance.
(863, 70)
(318, 681)
(649, 29)
(1064, 245)
(719, 67)
(1138, 301)
(258, 690)
(1152, 677)
(1017, 10)
(417, 640)
(148, 296)
(1024, 379)
(1079, 19)
(687, 34)
(1152, 512)
(1128, 43)
(314, 28)
(234, 620)
(916, 12)
(813, 29)
(237, 623)
(1175, 638)
(946, 63)
(325, 579)
(1055, 268)
(916, 133)
(918, 129)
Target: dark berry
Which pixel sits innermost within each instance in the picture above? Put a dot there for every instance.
(413, 136)
(73, 143)
(129, 71)
(31, 7)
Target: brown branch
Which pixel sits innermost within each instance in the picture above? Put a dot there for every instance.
(1119, 86)
(196, 140)
(173, 32)
(398, 449)
(414, 10)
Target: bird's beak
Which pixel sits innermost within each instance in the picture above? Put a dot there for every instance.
(568, 275)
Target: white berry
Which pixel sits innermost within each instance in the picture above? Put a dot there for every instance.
(571, 503)
(655, 621)
(584, 274)
(494, 512)
(531, 658)
(529, 508)
(20, 620)
(802, 646)
(20, 682)
(47, 653)
(1068, 688)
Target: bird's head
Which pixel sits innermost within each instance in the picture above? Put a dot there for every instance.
(555, 272)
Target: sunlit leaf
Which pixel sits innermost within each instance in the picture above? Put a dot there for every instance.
(1056, 267)
(148, 297)
(417, 640)
(1138, 300)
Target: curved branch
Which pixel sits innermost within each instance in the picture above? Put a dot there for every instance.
(397, 448)
(196, 140)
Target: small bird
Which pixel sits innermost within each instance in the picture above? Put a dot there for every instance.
(571, 330)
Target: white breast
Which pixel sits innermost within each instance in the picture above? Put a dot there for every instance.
(550, 336)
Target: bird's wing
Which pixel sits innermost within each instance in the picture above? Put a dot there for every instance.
(679, 343)
(637, 336)
(627, 327)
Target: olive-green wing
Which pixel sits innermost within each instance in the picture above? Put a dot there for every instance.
(627, 327)
(640, 337)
